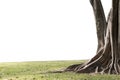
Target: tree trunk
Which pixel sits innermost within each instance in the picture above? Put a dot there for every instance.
(100, 22)
(107, 59)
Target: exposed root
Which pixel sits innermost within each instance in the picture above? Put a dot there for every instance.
(107, 67)
(72, 67)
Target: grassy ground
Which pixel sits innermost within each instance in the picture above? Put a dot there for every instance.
(36, 71)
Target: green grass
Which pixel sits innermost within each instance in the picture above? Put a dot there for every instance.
(36, 71)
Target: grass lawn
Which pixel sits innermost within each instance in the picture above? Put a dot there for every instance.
(36, 71)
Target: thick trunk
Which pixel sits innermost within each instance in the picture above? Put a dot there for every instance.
(100, 22)
(107, 59)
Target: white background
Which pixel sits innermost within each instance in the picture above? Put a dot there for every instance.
(38, 30)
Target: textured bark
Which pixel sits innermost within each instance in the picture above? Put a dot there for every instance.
(100, 22)
(107, 59)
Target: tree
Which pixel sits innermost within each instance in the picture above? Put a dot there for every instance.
(107, 59)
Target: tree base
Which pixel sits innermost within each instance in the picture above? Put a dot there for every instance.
(107, 59)
(94, 67)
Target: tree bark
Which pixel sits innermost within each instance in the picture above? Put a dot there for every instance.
(100, 22)
(107, 59)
